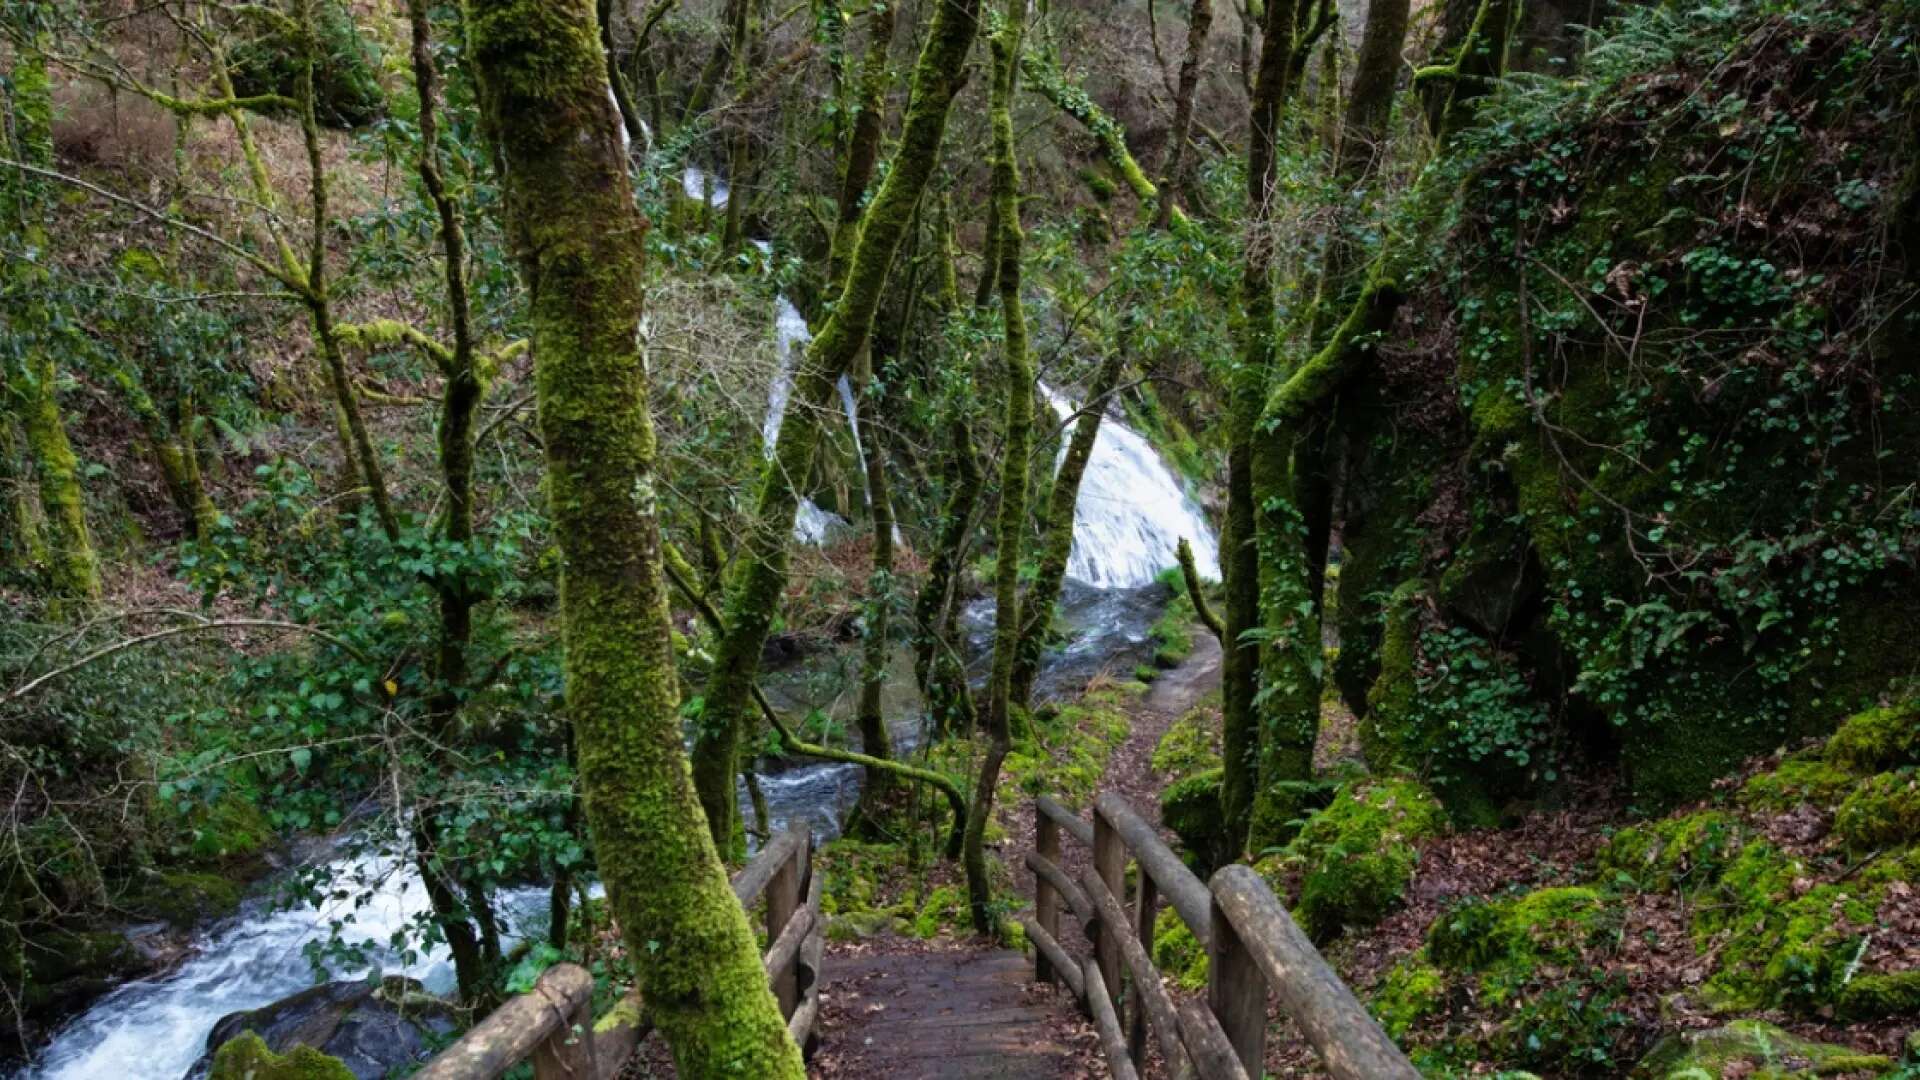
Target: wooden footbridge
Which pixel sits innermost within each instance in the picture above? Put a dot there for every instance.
(971, 1015)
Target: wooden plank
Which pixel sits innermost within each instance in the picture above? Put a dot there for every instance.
(1144, 909)
(1066, 819)
(783, 900)
(618, 1033)
(1214, 1057)
(1048, 948)
(1046, 895)
(1236, 992)
(1110, 863)
(752, 880)
(1350, 1044)
(508, 1036)
(1152, 999)
(1049, 873)
(1107, 1024)
(567, 1054)
(1177, 884)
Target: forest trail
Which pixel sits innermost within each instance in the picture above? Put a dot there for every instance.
(896, 1007)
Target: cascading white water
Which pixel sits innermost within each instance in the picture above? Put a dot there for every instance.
(1132, 511)
(155, 1029)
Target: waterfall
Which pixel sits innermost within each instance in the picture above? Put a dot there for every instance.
(1132, 511)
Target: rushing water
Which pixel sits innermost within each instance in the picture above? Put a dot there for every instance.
(1131, 514)
(1133, 511)
(155, 1029)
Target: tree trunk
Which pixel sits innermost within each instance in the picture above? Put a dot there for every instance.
(753, 596)
(573, 227)
(1015, 461)
(73, 572)
(1175, 186)
(937, 666)
(1056, 545)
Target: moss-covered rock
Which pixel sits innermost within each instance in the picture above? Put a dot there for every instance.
(248, 1058)
(1755, 1050)
(1883, 811)
(1878, 739)
(1803, 779)
(185, 897)
(1515, 936)
(1357, 856)
(1677, 853)
(1191, 808)
(1870, 997)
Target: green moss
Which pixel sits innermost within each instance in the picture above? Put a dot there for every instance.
(1190, 746)
(945, 907)
(1678, 853)
(1172, 633)
(248, 1058)
(233, 827)
(1870, 997)
(1800, 780)
(1176, 952)
(1506, 937)
(185, 897)
(1752, 1049)
(1782, 939)
(1191, 808)
(1413, 990)
(1884, 811)
(1358, 855)
(1878, 739)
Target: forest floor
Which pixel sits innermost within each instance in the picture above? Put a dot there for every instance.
(876, 1016)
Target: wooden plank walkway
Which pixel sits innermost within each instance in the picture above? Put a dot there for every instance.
(960, 1015)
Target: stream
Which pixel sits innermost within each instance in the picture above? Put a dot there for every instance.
(1132, 512)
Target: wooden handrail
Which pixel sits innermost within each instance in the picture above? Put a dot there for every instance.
(1253, 948)
(552, 1025)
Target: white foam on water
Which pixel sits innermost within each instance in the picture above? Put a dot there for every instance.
(1132, 511)
(155, 1029)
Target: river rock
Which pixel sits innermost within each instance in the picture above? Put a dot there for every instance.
(373, 1026)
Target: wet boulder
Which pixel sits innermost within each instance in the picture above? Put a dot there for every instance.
(372, 1026)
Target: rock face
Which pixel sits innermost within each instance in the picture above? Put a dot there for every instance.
(371, 1026)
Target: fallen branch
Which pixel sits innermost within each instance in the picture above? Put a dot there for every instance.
(175, 631)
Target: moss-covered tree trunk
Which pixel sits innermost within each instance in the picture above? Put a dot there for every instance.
(1240, 550)
(938, 666)
(753, 594)
(174, 454)
(863, 154)
(574, 228)
(1056, 531)
(23, 538)
(73, 572)
(1175, 185)
(1015, 463)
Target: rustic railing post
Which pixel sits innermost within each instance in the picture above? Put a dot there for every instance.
(1236, 991)
(783, 899)
(1046, 902)
(1110, 862)
(1146, 904)
(567, 1054)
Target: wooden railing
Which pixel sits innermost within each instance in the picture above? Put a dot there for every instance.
(1253, 948)
(552, 1025)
